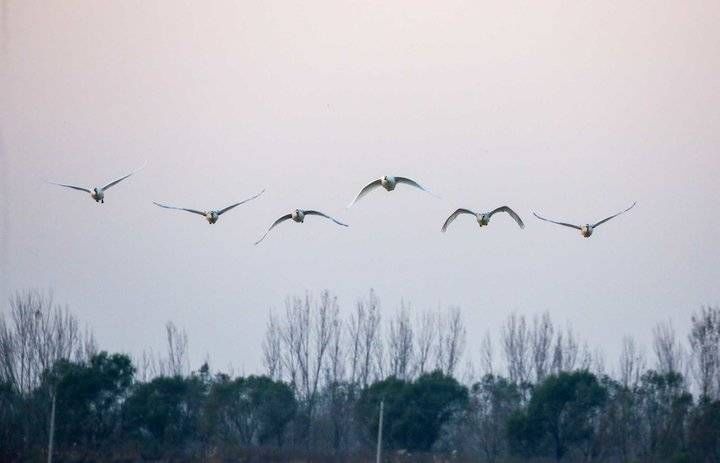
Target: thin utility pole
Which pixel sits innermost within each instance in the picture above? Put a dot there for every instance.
(52, 429)
(378, 455)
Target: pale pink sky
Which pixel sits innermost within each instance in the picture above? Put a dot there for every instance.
(573, 109)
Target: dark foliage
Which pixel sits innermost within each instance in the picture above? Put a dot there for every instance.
(562, 413)
(704, 433)
(89, 398)
(570, 416)
(414, 411)
(251, 411)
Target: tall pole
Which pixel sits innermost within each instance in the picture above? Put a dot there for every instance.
(51, 438)
(378, 455)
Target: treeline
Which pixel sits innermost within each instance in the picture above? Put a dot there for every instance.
(536, 392)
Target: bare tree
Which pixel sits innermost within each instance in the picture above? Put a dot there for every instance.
(566, 351)
(400, 345)
(36, 334)
(363, 334)
(598, 362)
(306, 333)
(378, 358)
(296, 334)
(541, 339)
(451, 340)
(293, 328)
(631, 362)
(704, 341)
(272, 348)
(178, 362)
(585, 360)
(516, 347)
(326, 321)
(371, 341)
(338, 403)
(487, 355)
(143, 365)
(425, 340)
(669, 352)
(88, 346)
(335, 365)
(354, 339)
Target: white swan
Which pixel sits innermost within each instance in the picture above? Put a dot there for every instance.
(483, 218)
(298, 215)
(210, 216)
(388, 182)
(98, 193)
(587, 229)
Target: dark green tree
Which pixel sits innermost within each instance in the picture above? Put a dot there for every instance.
(165, 415)
(253, 410)
(619, 434)
(414, 412)
(480, 429)
(391, 390)
(11, 406)
(492, 401)
(562, 413)
(434, 399)
(663, 403)
(704, 433)
(89, 398)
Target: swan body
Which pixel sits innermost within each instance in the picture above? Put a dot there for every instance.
(98, 193)
(211, 216)
(483, 218)
(388, 182)
(298, 215)
(587, 229)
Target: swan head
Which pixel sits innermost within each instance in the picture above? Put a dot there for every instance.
(586, 230)
(388, 182)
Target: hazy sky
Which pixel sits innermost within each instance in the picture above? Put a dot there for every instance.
(572, 109)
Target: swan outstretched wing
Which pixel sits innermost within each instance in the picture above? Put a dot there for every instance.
(454, 215)
(194, 211)
(512, 214)
(326, 216)
(79, 188)
(558, 223)
(115, 182)
(411, 182)
(222, 211)
(280, 220)
(613, 216)
(367, 189)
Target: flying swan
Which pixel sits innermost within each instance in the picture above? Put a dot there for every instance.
(298, 215)
(210, 216)
(98, 193)
(388, 182)
(483, 218)
(587, 229)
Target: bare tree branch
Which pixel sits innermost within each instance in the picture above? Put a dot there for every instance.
(631, 362)
(400, 345)
(516, 347)
(177, 343)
